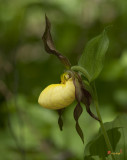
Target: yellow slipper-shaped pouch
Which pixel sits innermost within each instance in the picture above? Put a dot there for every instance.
(58, 96)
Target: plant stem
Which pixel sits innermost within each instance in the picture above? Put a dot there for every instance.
(101, 122)
(95, 97)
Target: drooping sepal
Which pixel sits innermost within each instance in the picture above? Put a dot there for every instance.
(49, 45)
(77, 112)
(87, 100)
(82, 95)
(60, 120)
(78, 109)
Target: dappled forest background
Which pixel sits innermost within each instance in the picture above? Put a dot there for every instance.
(28, 131)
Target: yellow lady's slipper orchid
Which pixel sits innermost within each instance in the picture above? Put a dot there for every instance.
(58, 96)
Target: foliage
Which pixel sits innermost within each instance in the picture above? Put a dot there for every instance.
(117, 131)
(93, 56)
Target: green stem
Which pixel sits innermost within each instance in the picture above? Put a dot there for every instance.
(95, 97)
(101, 122)
(82, 70)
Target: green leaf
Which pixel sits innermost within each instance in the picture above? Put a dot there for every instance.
(117, 131)
(93, 55)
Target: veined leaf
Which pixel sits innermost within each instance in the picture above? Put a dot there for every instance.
(117, 131)
(93, 55)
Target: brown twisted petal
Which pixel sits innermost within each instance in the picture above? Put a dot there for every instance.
(49, 45)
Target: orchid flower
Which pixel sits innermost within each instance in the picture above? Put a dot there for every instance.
(60, 96)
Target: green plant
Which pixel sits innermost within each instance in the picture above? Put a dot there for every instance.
(83, 75)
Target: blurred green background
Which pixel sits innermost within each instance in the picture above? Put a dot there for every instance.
(28, 131)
